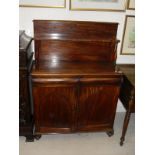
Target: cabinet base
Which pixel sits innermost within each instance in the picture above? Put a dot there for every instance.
(27, 131)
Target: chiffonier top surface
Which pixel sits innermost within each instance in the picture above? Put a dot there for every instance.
(74, 30)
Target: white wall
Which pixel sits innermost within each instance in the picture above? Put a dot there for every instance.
(27, 15)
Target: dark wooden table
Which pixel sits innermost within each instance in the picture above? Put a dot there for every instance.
(127, 95)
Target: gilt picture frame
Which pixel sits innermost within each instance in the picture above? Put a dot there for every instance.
(43, 3)
(128, 41)
(131, 5)
(98, 5)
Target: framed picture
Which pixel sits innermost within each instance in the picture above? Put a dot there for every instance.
(131, 5)
(98, 5)
(43, 3)
(128, 42)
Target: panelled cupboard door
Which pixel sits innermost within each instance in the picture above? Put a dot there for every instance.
(54, 107)
(97, 104)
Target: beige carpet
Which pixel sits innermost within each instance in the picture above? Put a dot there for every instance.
(83, 144)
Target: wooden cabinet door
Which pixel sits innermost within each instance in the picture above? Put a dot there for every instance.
(97, 103)
(54, 104)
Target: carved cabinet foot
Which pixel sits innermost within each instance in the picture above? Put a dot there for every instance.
(29, 138)
(37, 137)
(110, 133)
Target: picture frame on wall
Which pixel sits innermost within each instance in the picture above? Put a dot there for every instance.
(43, 3)
(128, 41)
(131, 5)
(98, 5)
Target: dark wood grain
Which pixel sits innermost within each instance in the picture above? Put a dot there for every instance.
(94, 113)
(75, 79)
(54, 109)
(75, 41)
(76, 30)
(75, 69)
(56, 50)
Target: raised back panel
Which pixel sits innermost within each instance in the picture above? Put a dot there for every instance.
(74, 41)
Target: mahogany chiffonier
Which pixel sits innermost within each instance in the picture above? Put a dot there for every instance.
(75, 80)
(127, 95)
(25, 100)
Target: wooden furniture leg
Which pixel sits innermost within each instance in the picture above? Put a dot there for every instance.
(110, 133)
(127, 118)
(125, 126)
(29, 138)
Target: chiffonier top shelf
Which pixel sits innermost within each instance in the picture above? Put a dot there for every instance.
(74, 30)
(80, 69)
